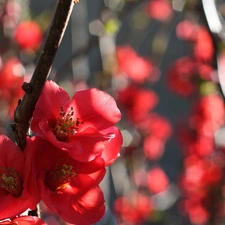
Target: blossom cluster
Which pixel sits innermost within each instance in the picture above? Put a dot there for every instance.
(149, 132)
(64, 160)
(201, 180)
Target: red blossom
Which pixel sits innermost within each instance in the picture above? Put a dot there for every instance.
(159, 9)
(11, 79)
(17, 192)
(153, 147)
(134, 208)
(185, 74)
(24, 220)
(137, 68)
(157, 180)
(154, 124)
(84, 126)
(202, 42)
(137, 102)
(198, 214)
(186, 30)
(68, 187)
(208, 114)
(203, 48)
(28, 35)
(199, 175)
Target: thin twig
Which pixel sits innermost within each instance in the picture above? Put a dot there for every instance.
(26, 106)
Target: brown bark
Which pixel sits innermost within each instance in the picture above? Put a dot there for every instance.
(26, 106)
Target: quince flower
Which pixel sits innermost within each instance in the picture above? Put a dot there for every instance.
(68, 187)
(83, 126)
(17, 192)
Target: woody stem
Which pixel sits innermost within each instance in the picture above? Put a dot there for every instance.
(26, 106)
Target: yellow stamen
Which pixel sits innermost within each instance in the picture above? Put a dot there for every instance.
(60, 176)
(66, 125)
(10, 182)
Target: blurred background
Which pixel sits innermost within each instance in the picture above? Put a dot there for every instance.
(163, 61)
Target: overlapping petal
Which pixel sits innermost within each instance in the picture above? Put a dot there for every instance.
(69, 187)
(24, 220)
(14, 194)
(77, 126)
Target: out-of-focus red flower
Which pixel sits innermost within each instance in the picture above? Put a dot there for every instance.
(208, 114)
(203, 48)
(199, 175)
(17, 193)
(68, 187)
(156, 130)
(153, 147)
(157, 180)
(137, 68)
(137, 102)
(185, 74)
(199, 35)
(11, 74)
(159, 9)
(154, 124)
(134, 208)
(83, 126)
(186, 30)
(198, 214)
(202, 146)
(24, 220)
(196, 211)
(28, 35)
(11, 80)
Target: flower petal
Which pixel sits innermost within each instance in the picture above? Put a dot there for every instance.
(81, 203)
(112, 147)
(49, 104)
(95, 109)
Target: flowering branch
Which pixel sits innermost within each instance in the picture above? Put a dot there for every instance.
(26, 106)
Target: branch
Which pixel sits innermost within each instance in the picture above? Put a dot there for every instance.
(26, 106)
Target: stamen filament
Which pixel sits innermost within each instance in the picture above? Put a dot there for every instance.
(66, 125)
(10, 182)
(60, 176)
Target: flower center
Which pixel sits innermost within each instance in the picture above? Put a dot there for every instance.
(65, 125)
(10, 182)
(60, 176)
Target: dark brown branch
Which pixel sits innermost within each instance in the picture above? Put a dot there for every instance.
(24, 111)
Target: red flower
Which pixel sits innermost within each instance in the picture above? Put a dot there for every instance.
(159, 9)
(154, 124)
(83, 126)
(137, 68)
(137, 102)
(203, 49)
(28, 35)
(186, 73)
(11, 79)
(24, 220)
(208, 114)
(157, 180)
(15, 190)
(153, 147)
(134, 208)
(69, 187)
(187, 30)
